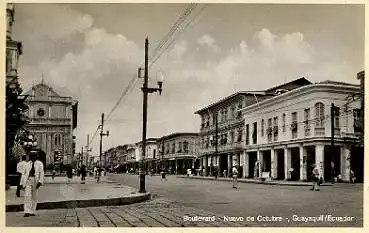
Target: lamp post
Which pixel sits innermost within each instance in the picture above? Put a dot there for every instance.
(146, 90)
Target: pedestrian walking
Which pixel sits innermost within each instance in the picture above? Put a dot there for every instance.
(235, 176)
(20, 167)
(32, 178)
(163, 177)
(95, 172)
(53, 174)
(69, 174)
(256, 169)
(316, 179)
(99, 171)
(225, 173)
(352, 176)
(83, 174)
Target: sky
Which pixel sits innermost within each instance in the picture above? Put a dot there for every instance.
(91, 52)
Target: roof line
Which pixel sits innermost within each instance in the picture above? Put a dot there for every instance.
(231, 96)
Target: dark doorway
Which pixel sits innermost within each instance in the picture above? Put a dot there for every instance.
(310, 161)
(328, 162)
(267, 166)
(252, 161)
(295, 163)
(280, 166)
(223, 164)
(357, 163)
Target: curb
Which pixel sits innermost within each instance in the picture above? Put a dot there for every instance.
(253, 181)
(84, 203)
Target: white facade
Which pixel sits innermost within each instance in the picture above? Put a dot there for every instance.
(151, 150)
(297, 126)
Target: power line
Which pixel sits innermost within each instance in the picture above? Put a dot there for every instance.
(134, 79)
(175, 26)
(173, 29)
(174, 40)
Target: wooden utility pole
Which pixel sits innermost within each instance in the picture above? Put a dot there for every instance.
(87, 149)
(216, 138)
(333, 114)
(101, 135)
(144, 118)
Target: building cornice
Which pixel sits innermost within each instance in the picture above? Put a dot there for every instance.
(230, 97)
(177, 135)
(319, 87)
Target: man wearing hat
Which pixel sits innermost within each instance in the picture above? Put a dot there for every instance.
(32, 178)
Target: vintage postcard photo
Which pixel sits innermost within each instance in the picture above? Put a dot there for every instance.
(184, 115)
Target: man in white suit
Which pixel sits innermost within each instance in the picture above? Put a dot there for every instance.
(20, 168)
(32, 178)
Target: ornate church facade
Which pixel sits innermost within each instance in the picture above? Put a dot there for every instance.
(52, 120)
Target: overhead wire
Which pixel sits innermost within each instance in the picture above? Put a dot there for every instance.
(134, 79)
(178, 34)
(173, 29)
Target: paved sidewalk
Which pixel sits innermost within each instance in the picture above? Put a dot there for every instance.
(61, 194)
(243, 180)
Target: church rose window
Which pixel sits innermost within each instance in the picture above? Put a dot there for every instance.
(41, 112)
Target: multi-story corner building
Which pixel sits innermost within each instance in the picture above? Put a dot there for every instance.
(128, 158)
(52, 120)
(290, 132)
(178, 152)
(150, 155)
(222, 131)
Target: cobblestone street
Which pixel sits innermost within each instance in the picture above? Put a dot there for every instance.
(156, 213)
(176, 198)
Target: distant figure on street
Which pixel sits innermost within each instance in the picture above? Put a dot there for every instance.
(316, 178)
(83, 173)
(69, 174)
(20, 167)
(53, 174)
(256, 169)
(95, 172)
(291, 172)
(32, 178)
(225, 173)
(352, 177)
(99, 171)
(163, 177)
(235, 176)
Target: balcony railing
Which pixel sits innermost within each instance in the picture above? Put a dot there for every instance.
(319, 131)
(223, 147)
(337, 132)
(307, 132)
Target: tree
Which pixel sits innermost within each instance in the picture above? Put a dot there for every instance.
(15, 120)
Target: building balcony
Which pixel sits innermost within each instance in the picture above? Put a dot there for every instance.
(355, 135)
(228, 123)
(337, 132)
(319, 131)
(223, 148)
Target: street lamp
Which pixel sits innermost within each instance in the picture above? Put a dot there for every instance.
(145, 89)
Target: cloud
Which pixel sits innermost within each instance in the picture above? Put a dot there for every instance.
(94, 66)
(208, 41)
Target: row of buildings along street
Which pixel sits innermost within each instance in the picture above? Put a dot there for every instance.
(282, 139)
(278, 133)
